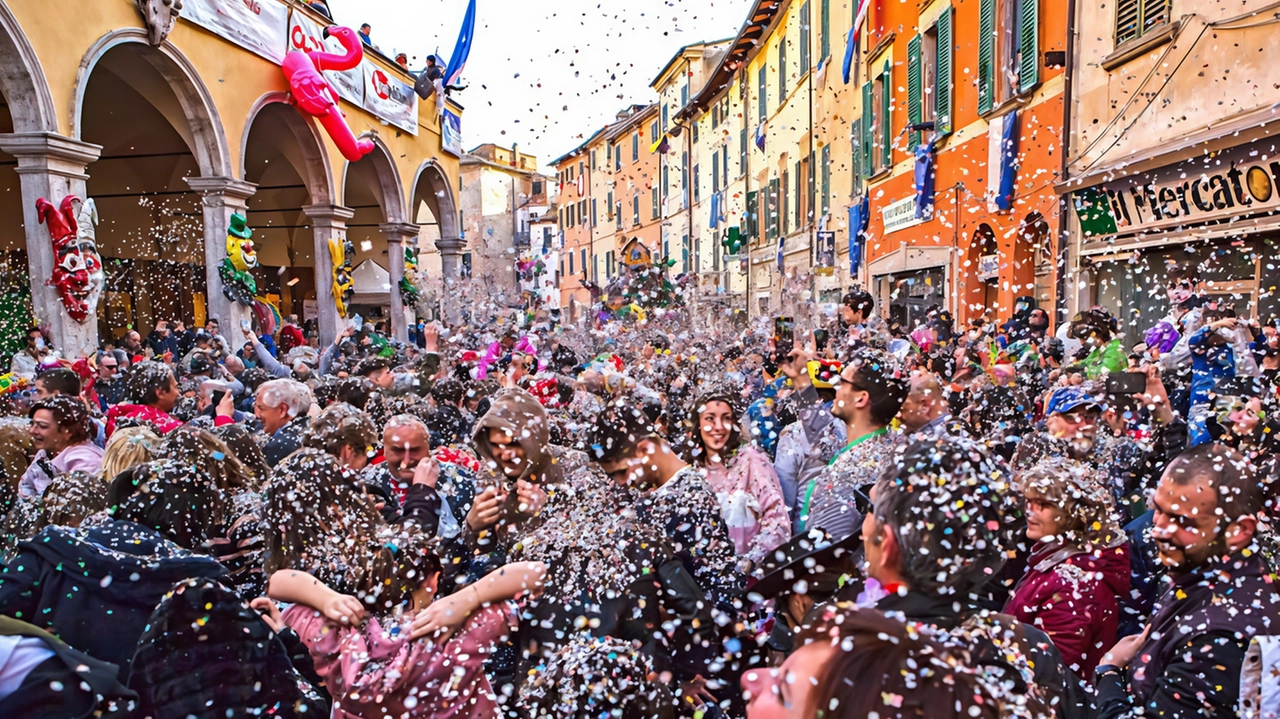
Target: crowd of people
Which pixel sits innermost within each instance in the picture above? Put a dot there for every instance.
(644, 519)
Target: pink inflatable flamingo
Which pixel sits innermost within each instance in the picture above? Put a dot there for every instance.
(310, 92)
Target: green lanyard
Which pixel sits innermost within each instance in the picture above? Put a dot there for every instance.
(808, 495)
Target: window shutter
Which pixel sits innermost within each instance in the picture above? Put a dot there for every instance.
(986, 54)
(915, 93)
(946, 57)
(826, 176)
(886, 134)
(1029, 43)
(868, 127)
(752, 210)
(856, 157)
(826, 29)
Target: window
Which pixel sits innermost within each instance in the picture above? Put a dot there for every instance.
(653, 132)
(750, 218)
(594, 216)
(762, 93)
(742, 152)
(666, 180)
(580, 167)
(782, 70)
(724, 166)
(665, 117)
(877, 136)
(684, 95)
(562, 268)
(571, 270)
(1008, 50)
(684, 180)
(608, 264)
(715, 117)
(1135, 18)
(582, 211)
(537, 187)
(826, 180)
(804, 38)
(635, 147)
(635, 209)
(593, 160)
(609, 203)
(617, 216)
(770, 210)
(570, 210)
(582, 255)
(657, 204)
(617, 159)
(715, 171)
(826, 30)
(595, 269)
(783, 210)
(684, 254)
(694, 130)
(608, 154)
(697, 194)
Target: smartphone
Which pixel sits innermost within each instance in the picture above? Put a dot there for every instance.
(217, 397)
(245, 325)
(1126, 383)
(820, 338)
(357, 322)
(784, 337)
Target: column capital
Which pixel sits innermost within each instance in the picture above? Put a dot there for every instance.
(336, 214)
(49, 145)
(453, 245)
(400, 231)
(228, 186)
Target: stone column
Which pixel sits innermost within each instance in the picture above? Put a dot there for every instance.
(327, 222)
(450, 270)
(52, 166)
(399, 236)
(221, 197)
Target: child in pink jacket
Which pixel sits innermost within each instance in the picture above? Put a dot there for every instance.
(424, 659)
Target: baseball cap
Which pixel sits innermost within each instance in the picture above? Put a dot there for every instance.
(1067, 399)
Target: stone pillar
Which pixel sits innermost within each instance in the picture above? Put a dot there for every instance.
(221, 197)
(327, 222)
(399, 236)
(450, 271)
(52, 166)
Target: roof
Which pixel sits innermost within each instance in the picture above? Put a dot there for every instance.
(622, 126)
(681, 53)
(580, 148)
(743, 48)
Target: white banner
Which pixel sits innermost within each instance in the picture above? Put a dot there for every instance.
(390, 99)
(259, 26)
(451, 133)
(306, 35)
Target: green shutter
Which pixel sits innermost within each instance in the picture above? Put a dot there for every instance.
(946, 57)
(915, 94)
(826, 29)
(886, 134)
(1029, 44)
(753, 208)
(826, 176)
(856, 158)
(986, 54)
(868, 127)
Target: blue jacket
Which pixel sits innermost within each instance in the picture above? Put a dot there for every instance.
(1209, 364)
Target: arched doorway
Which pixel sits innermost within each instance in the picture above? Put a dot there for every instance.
(26, 110)
(984, 258)
(433, 206)
(285, 158)
(377, 230)
(158, 129)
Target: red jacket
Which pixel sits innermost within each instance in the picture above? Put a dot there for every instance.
(1074, 598)
(162, 421)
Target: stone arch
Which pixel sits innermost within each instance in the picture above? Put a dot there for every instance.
(318, 171)
(387, 175)
(207, 138)
(22, 79)
(438, 193)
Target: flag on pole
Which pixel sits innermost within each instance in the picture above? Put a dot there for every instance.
(462, 50)
(855, 34)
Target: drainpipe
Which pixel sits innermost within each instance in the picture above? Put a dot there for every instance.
(1064, 203)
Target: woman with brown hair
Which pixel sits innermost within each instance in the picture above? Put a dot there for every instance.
(60, 430)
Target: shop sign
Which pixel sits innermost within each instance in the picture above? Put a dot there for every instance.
(259, 26)
(900, 215)
(451, 137)
(306, 35)
(390, 99)
(1237, 182)
(826, 253)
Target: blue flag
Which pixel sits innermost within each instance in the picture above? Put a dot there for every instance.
(1008, 158)
(924, 181)
(849, 47)
(462, 50)
(859, 216)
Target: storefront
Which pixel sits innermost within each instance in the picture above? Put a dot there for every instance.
(1215, 215)
(911, 282)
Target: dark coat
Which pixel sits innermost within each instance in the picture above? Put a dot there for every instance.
(89, 687)
(1190, 664)
(96, 588)
(286, 440)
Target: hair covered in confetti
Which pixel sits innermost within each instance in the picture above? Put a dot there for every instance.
(949, 505)
(145, 379)
(1076, 490)
(127, 448)
(590, 677)
(882, 667)
(199, 447)
(178, 500)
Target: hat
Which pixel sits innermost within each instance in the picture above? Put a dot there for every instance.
(1163, 336)
(200, 363)
(824, 373)
(814, 557)
(1067, 399)
(240, 226)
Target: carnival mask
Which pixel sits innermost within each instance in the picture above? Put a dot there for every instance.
(77, 271)
(340, 251)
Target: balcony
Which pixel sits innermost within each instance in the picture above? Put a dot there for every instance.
(520, 239)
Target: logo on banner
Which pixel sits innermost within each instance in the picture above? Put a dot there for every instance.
(380, 85)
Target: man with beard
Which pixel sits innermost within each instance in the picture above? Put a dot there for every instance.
(1189, 660)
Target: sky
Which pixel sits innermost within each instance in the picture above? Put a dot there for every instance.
(546, 75)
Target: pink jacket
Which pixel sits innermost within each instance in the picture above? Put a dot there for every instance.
(373, 673)
(751, 503)
(84, 457)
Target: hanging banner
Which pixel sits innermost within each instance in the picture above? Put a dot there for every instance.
(307, 35)
(259, 26)
(826, 253)
(451, 134)
(390, 99)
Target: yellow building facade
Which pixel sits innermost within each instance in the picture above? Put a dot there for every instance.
(171, 129)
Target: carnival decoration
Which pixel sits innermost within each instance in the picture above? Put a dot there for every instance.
(341, 252)
(77, 270)
(409, 291)
(311, 93)
(238, 284)
(160, 17)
